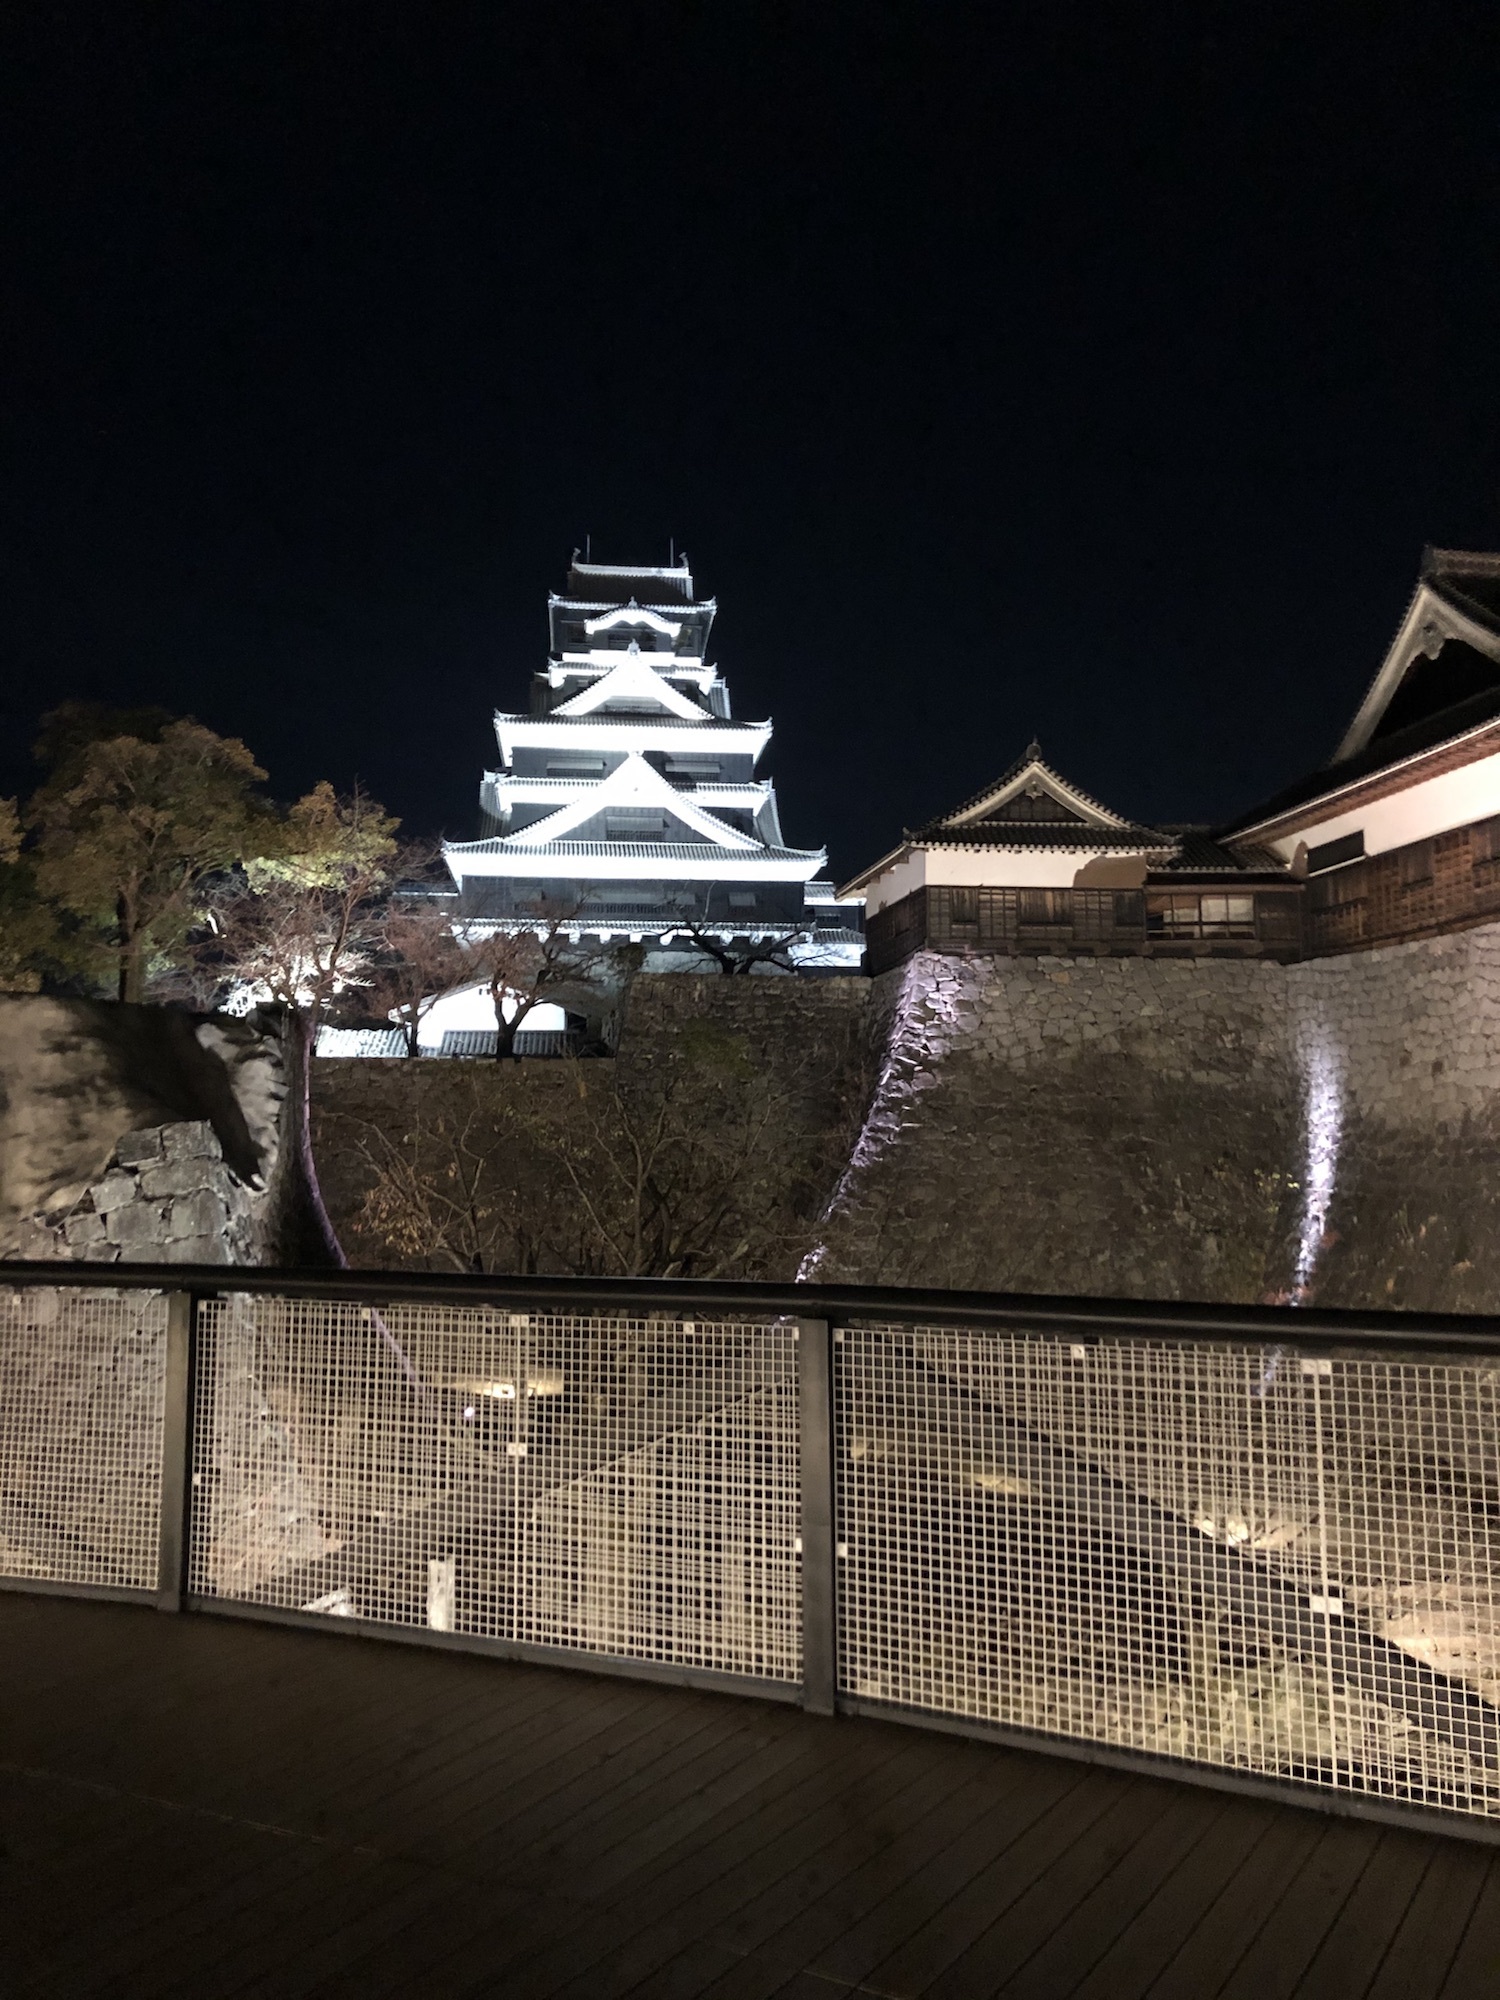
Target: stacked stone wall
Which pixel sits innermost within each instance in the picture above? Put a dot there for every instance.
(141, 1134)
(1108, 1126)
(168, 1197)
(771, 1025)
(1209, 1129)
(1200, 1129)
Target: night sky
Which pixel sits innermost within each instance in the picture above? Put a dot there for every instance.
(1088, 372)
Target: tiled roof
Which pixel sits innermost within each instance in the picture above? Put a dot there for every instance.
(1198, 853)
(645, 586)
(652, 850)
(1427, 734)
(1008, 834)
(710, 722)
(1027, 835)
(1471, 578)
(1432, 686)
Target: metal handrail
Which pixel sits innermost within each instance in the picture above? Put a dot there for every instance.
(1083, 1495)
(1317, 1329)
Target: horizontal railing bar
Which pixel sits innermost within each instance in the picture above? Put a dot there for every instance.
(1295, 1327)
(52, 1586)
(1346, 1802)
(613, 1666)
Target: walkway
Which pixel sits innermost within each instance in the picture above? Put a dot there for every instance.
(199, 1807)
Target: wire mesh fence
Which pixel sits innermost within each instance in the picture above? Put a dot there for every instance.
(1260, 1560)
(81, 1397)
(625, 1487)
(1255, 1560)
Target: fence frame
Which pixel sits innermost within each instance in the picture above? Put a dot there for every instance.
(1298, 1330)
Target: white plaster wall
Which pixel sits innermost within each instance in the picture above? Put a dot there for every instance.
(1456, 798)
(470, 1010)
(979, 868)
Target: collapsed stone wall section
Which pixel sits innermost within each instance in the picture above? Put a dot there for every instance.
(167, 1197)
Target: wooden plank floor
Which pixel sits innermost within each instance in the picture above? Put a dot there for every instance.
(197, 1807)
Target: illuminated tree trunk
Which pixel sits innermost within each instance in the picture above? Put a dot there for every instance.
(304, 1036)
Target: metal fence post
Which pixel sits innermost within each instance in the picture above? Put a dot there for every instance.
(819, 1579)
(176, 1451)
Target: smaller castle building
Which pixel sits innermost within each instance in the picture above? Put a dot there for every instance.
(1033, 864)
(1397, 837)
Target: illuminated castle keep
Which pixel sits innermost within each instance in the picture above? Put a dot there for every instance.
(627, 796)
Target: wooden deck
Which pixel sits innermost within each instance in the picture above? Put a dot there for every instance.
(198, 1807)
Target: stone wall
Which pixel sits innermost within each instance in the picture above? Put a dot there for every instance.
(801, 1041)
(142, 1134)
(1201, 1129)
(1209, 1129)
(1398, 1052)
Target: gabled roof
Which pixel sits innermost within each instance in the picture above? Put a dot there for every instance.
(633, 783)
(631, 614)
(1031, 805)
(1446, 649)
(634, 679)
(1439, 682)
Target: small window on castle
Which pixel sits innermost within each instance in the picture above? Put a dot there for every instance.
(1484, 841)
(1416, 864)
(1228, 916)
(1334, 853)
(963, 906)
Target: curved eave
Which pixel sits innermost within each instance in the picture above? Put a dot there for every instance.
(620, 860)
(571, 728)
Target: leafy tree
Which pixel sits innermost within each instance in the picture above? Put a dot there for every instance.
(129, 828)
(30, 936)
(301, 924)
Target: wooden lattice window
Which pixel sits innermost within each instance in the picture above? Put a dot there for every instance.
(1416, 864)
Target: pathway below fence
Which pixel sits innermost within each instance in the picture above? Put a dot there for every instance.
(203, 1807)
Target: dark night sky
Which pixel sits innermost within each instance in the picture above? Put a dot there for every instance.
(1092, 372)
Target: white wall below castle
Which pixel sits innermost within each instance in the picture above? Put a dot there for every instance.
(471, 1011)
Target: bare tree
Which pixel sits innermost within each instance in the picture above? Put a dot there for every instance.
(743, 954)
(418, 956)
(527, 966)
(704, 1163)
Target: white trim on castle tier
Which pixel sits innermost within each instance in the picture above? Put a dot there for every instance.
(632, 785)
(624, 732)
(622, 861)
(633, 679)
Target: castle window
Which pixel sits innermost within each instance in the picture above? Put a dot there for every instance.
(1333, 853)
(1416, 864)
(963, 906)
(1203, 917)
